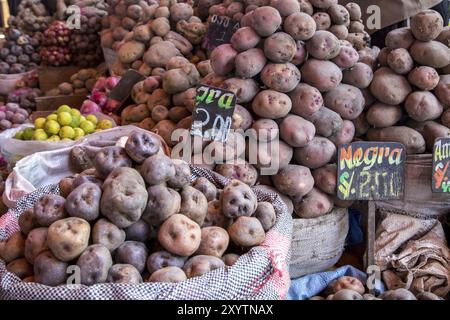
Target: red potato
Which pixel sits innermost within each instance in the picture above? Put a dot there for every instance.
(242, 119)
(423, 106)
(264, 155)
(382, 57)
(399, 38)
(306, 100)
(316, 154)
(222, 59)
(245, 89)
(444, 36)
(323, 45)
(400, 61)
(410, 138)
(339, 14)
(280, 47)
(326, 121)
(356, 27)
(389, 87)
(301, 54)
(266, 20)
(433, 54)
(314, 205)
(347, 57)
(249, 64)
(271, 104)
(442, 90)
(346, 100)
(427, 25)
(354, 11)
(323, 75)
(285, 7)
(381, 115)
(424, 78)
(300, 26)
(294, 180)
(344, 135)
(323, 4)
(433, 130)
(296, 131)
(322, 19)
(282, 77)
(244, 38)
(360, 75)
(325, 178)
(340, 31)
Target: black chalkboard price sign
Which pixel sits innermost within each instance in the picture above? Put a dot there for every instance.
(213, 112)
(220, 31)
(440, 182)
(371, 171)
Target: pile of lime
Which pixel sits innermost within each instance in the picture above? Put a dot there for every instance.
(65, 124)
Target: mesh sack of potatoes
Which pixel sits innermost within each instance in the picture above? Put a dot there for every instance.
(261, 272)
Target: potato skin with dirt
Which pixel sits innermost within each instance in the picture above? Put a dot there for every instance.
(214, 242)
(424, 78)
(247, 232)
(124, 273)
(238, 200)
(389, 87)
(294, 180)
(315, 204)
(199, 265)
(410, 138)
(427, 25)
(180, 235)
(168, 274)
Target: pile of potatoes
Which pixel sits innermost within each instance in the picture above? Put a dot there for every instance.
(350, 288)
(411, 89)
(121, 224)
(146, 35)
(81, 82)
(32, 17)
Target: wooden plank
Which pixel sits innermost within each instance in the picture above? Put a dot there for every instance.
(54, 102)
(51, 77)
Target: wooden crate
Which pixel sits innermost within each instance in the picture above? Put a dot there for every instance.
(53, 102)
(51, 77)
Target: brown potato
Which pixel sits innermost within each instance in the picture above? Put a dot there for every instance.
(423, 106)
(433, 130)
(382, 115)
(315, 204)
(360, 76)
(199, 265)
(14, 248)
(346, 100)
(157, 169)
(162, 203)
(282, 77)
(35, 243)
(398, 294)
(325, 178)
(410, 138)
(294, 180)
(84, 202)
(107, 234)
(247, 232)
(49, 209)
(400, 61)
(20, 267)
(433, 54)
(215, 217)
(399, 38)
(323, 45)
(182, 176)
(124, 273)
(265, 213)
(323, 75)
(300, 26)
(427, 25)
(94, 264)
(326, 121)
(206, 187)
(165, 129)
(442, 90)
(132, 252)
(193, 204)
(140, 145)
(389, 87)
(424, 78)
(230, 259)
(316, 154)
(323, 20)
(341, 31)
(160, 53)
(238, 200)
(271, 104)
(27, 221)
(280, 47)
(50, 271)
(244, 172)
(214, 242)
(168, 274)
(180, 235)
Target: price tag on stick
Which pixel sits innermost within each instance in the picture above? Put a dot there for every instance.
(440, 179)
(220, 31)
(371, 171)
(213, 112)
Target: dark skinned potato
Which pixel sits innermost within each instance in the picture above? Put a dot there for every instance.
(110, 158)
(162, 259)
(84, 202)
(141, 145)
(50, 271)
(49, 209)
(94, 264)
(124, 273)
(107, 234)
(132, 252)
(162, 203)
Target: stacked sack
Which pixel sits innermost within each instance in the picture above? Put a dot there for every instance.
(146, 36)
(412, 86)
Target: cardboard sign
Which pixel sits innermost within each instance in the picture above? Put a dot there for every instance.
(122, 91)
(441, 161)
(213, 112)
(371, 171)
(220, 31)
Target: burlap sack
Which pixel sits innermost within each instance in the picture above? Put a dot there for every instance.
(413, 254)
(262, 273)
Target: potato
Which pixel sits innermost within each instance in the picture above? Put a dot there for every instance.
(162, 203)
(244, 38)
(410, 138)
(264, 130)
(424, 78)
(230, 259)
(344, 135)
(215, 217)
(301, 54)
(134, 113)
(140, 145)
(168, 274)
(296, 131)
(242, 119)
(282, 77)
(162, 259)
(340, 31)
(400, 38)
(398, 294)
(199, 265)
(68, 238)
(427, 296)
(14, 248)
(400, 61)
(361, 125)
(50, 271)
(249, 63)
(180, 235)
(107, 234)
(346, 282)
(347, 57)
(110, 158)
(244, 172)
(131, 51)
(300, 26)
(245, 89)
(123, 273)
(160, 53)
(238, 200)
(433, 54)
(247, 232)
(20, 267)
(427, 25)
(158, 169)
(433, 130)
(84, 202)
(271, 104)
(133, 253)
(165, 129)
(266, 20)
(382, 115)
(80, 159)
(323, 45)
(389, 87)
(355, 27)
(280, 47)
(139, 231)
(193, 204)
(339, 14)
(316, 154)
(347, 294)
(325, 178)
(360, 76)
(346, 100)
(124, 173)
(323, 20)
(354, 11)
(285, 7)
(270, 155)
(49, 209)
(35, 243)
(176, 114)
(182, 176)
(323, 4)
(315, 204)
(94, 264)
(266, 215)
(306, 100)
(223, 59)
(214, 242)
(86, 177)
(326, 121)
(178, 80)
(206, 187)
(323, 75)
(27, 221)
(423, 106)
(294, 180)
(180, 11)
(442, 90)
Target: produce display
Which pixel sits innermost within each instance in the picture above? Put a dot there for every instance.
(65, 124)
(25, 97)
(55, 50)
(32, 17)
(104, 217)
(18, 53)
(81, 82)
(12, 116)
